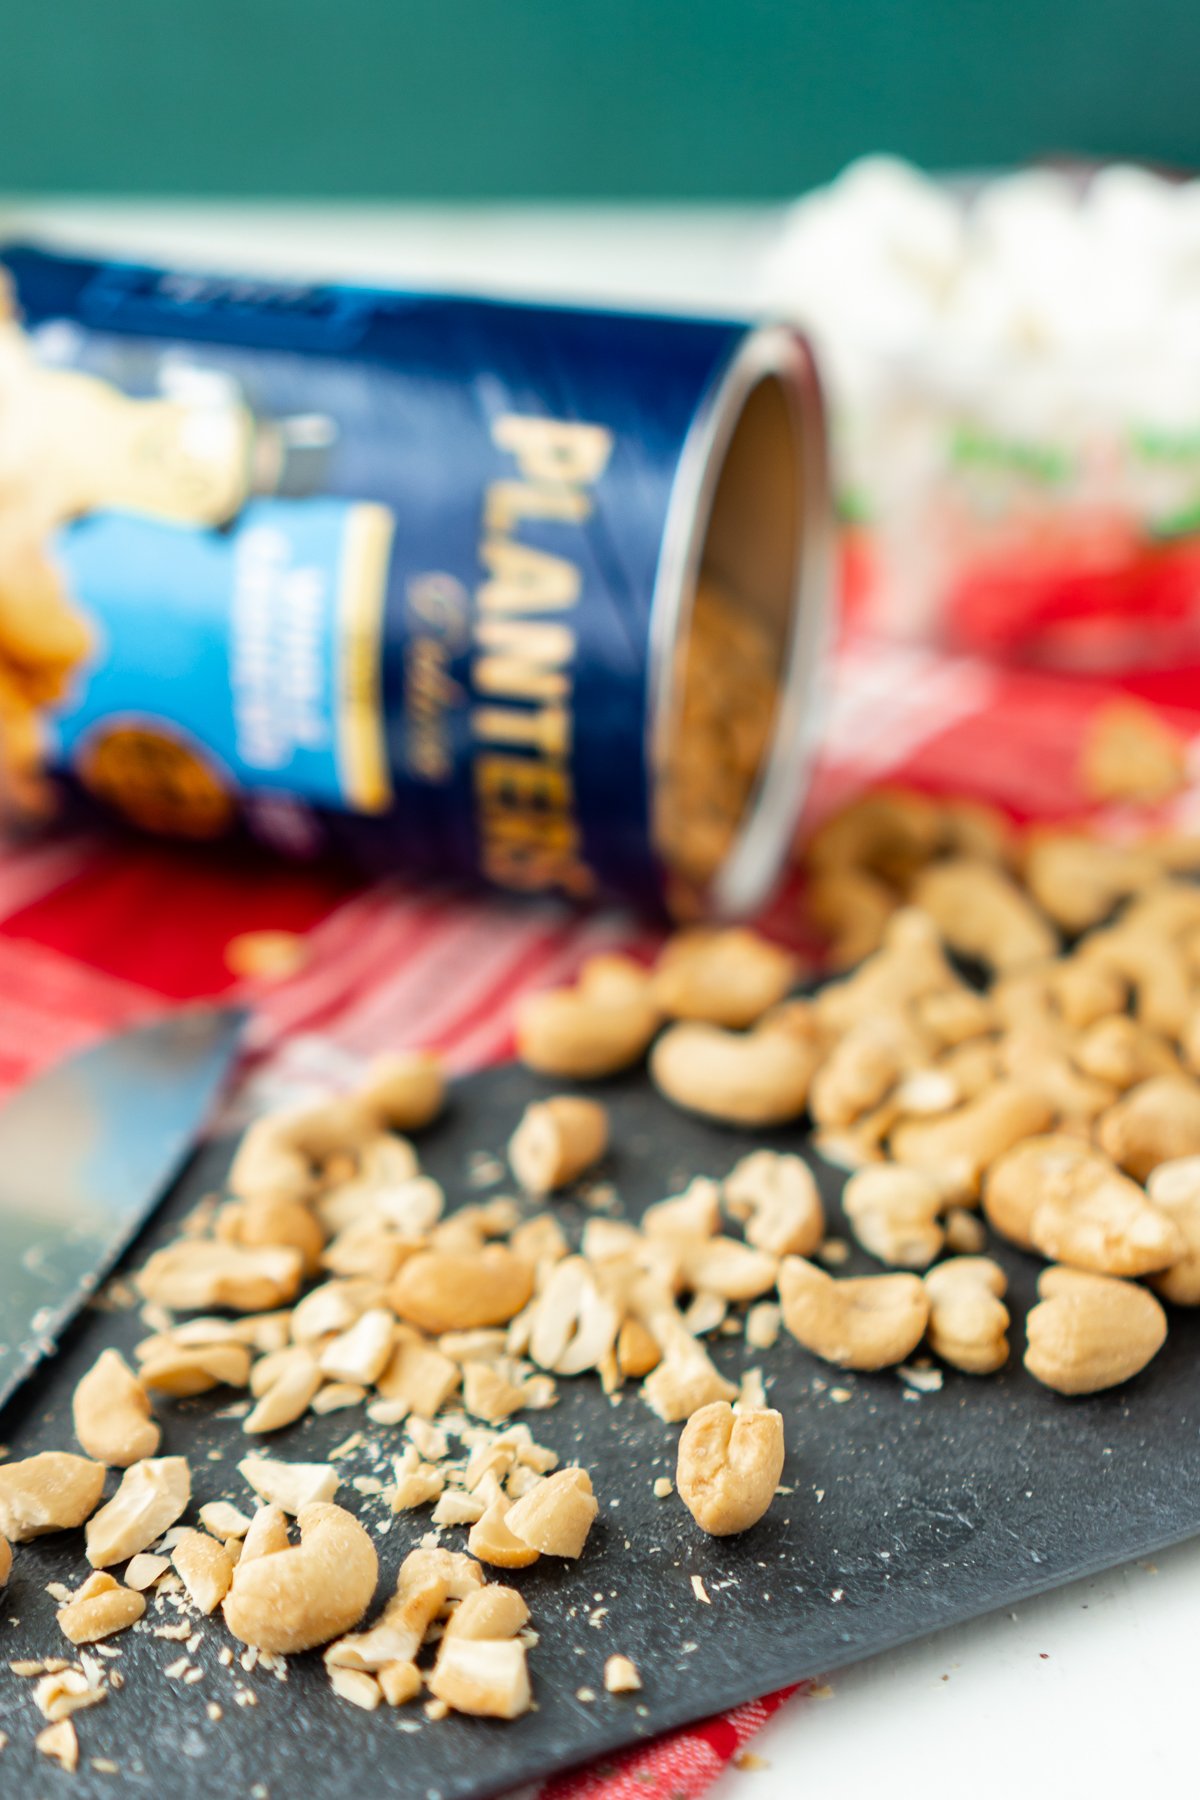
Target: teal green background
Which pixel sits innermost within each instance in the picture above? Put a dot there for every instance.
(463, 99)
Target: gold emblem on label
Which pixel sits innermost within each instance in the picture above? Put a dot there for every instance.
(154, 777)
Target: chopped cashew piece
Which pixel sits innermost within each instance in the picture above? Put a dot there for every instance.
(224, 1520)
(292, 1486)
(1131, 753)
(356, 1686)
(1090, 1332)
(729, 1269)
(6, 1562)
(111, 1413)
(894, 1213)
(729, 1466)
(485, 1676)
(1174, 1188)
(556, 1516)
(556, 1141)
(492, 1542)
(68, 1691)
(61, 1744)
(362, 1352)
(621, 1676)
(762, 1325)
(402, 1092)
(53, 1491)
(205, 1568)
(968, 1320)
(295, 1597)
(152, 1495)
(184, 1370)
(872, 1322)
(777, 1197)
(192, 1274)
(490, 1392)
(144, 1569)
(288, 1397)
(684, 1381)
(400, 1682)
(419, 1378)
(99, 1608)
(493, 1611)
(637, 1350)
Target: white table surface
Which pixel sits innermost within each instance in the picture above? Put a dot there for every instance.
(1085, 1690)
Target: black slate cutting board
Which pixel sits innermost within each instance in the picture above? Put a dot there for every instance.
(909, 1511)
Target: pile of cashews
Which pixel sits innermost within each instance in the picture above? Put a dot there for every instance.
(1051, 1099)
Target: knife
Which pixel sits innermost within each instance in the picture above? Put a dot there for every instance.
(86, 1151)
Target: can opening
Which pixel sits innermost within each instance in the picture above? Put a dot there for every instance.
(750, 617)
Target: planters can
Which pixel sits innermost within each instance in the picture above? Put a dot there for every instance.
(534, 594)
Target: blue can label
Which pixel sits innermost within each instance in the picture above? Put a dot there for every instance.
(361, 568)
(254, 651)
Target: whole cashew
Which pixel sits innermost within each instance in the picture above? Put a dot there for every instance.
(1152, 965)
(281, 1155)
(852, 907)
(982, 913)
(290, 1600)
(1090, 1332)
(1156, 1122)
(402, 1092)
(871, 1322)
(758, 1077)
(1079, 880)
(908, 966)
(864, 1065)
(968, 1319)
(891, 832)
(956, 1149)
(1092, 1217)
(601, 1025)
(1119, 1051)
(1029, 1058)
(724, 977)
(1030, 1172)
(729, 1466)
(441, 1290)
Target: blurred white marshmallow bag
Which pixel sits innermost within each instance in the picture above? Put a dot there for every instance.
(1014, 366)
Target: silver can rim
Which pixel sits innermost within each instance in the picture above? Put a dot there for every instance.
(754, 861)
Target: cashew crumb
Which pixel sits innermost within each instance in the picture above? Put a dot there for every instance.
(61, 1744)
(700, 1591)
(663, 1487)
(926, 1381)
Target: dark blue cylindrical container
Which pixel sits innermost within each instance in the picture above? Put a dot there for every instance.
(412, 574)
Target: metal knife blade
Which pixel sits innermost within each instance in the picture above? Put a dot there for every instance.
(86, 1151)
